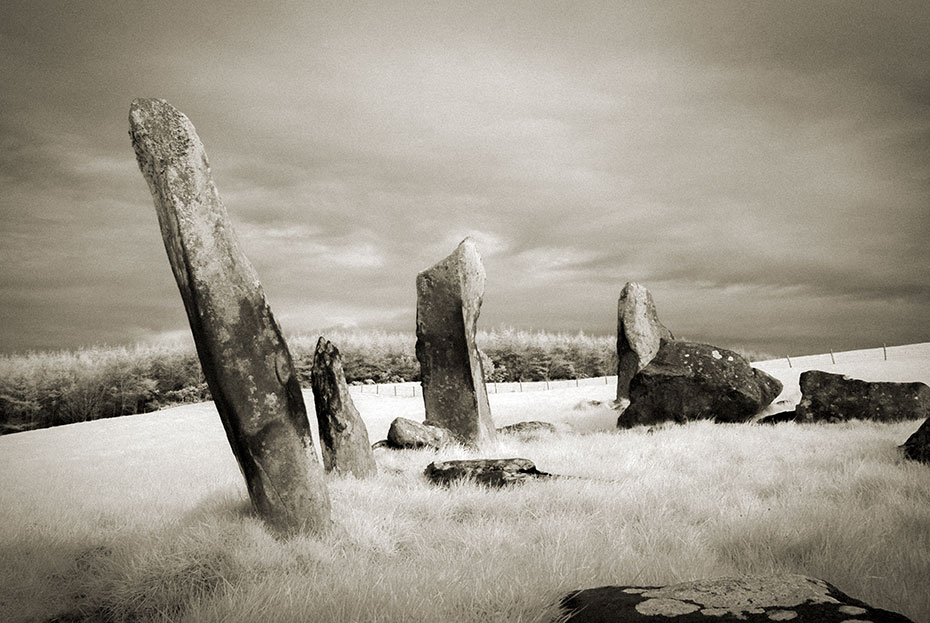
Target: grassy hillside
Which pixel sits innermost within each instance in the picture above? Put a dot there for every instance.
(146, 518)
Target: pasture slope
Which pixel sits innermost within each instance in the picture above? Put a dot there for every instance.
(145, 517)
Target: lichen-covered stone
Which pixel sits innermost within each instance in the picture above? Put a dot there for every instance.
(448, 304)
(827, 397)
(343, 435)
(244, 357)
(748, 599)
(490, 472)
(639, 334)
(687, 381)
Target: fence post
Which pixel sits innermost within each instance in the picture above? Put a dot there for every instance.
(547, 383)
(521, 385)
(576, 382)
(885, 350)
(395, 390)
(832, 358)
(789, 361)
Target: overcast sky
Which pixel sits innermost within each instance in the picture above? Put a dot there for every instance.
(762, 167)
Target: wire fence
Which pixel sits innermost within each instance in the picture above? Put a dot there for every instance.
(415, 389)
(883, 353)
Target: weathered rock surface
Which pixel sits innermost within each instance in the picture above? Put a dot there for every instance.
(827, 397)
(748, 599)
(917, 446)
(244, 357)
(528, 429)
(639, 334)
(343, 435)
(448, 304)
(688, 381)
(490, 472)
(407, 434)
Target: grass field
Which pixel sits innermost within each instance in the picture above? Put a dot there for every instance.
(145, 518)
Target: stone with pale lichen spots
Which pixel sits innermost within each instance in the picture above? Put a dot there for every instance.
(243, 354)
(747, 599)
(828, 397)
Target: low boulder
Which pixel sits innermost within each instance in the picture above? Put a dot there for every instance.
(783, 597)
(827, 397)
(490, 472)
(689, 381)
(528, 429)
(917, 446)
(407, 434)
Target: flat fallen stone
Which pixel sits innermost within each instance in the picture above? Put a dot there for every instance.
(490, 472)
(828, 397)
(752, 599)
(533, 428)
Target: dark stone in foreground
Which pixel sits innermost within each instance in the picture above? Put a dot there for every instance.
(448, 304)
(244, 357)
(748, 599)
(343, 435)
(827, 397)
(528, 429)
(410, 435)
(639, 334)
(688, 381)
(490, 472)
(917, 446)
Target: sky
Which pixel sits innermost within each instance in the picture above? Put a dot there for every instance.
(762, 167)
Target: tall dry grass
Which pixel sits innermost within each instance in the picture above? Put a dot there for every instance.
(146, 519)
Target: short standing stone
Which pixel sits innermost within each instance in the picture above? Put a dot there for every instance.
(639, 334)
(448, 303)
(244, 357)
(490, 472)
(343, 436)
(827, 397)
(917, 446)
(784, 597)
(405, 434)
(688, 381)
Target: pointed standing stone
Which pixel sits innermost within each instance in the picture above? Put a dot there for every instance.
(639, 334)
(448, 303)
(343, 436)
(244, 357)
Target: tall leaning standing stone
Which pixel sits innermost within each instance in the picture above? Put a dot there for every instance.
(448, 303)
(244, 357)
(343, 435)
(639, 334)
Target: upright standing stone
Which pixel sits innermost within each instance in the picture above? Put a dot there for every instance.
(448, 303)
(343, 436)
(243, 354)
(639, 334)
